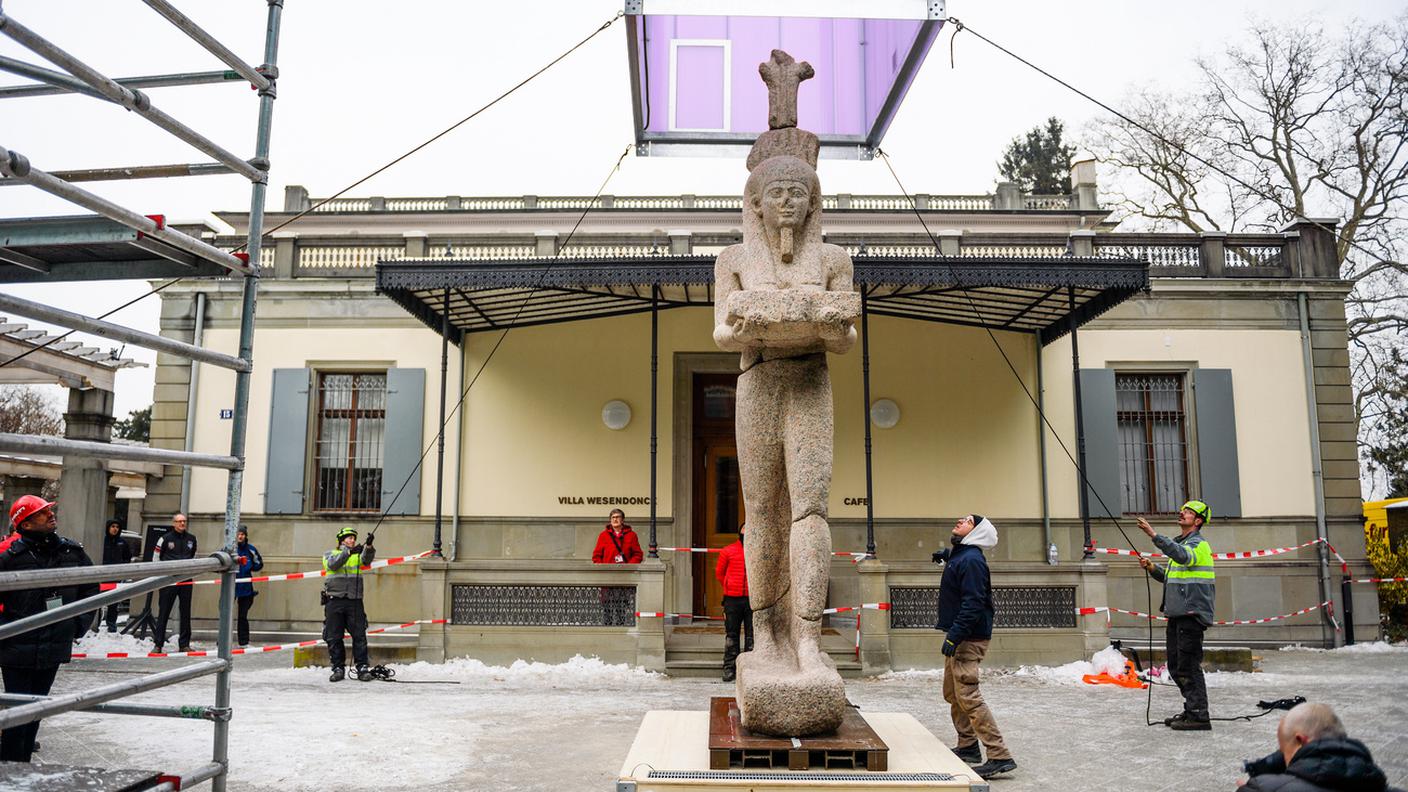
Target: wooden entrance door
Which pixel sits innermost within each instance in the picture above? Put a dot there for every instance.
(718, 489)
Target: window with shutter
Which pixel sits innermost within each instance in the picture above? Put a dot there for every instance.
(350, 453)
(1151, 416)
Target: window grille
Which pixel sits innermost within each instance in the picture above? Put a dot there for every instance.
(1153, 437)
(350, 450)
(532, 606)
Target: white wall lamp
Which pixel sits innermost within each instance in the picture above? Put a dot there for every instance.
(884, 413)
(616, 414)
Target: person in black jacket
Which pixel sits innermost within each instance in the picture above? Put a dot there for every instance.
(1315, 755)
(30, 661)
(965, 614)
(176, 545)
(115, 551)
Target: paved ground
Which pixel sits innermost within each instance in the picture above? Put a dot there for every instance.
(568, 727)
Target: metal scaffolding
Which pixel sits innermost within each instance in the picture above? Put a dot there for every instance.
(174, 246)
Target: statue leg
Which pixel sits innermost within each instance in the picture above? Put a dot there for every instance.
(767, 511)
(808, 445)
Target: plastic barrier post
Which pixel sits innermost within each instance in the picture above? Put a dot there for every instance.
(1347, 597)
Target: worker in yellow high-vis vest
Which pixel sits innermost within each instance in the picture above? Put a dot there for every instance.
(1189, 592)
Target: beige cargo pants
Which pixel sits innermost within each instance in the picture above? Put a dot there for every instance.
(971, 717)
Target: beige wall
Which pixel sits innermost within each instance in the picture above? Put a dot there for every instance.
(281, 347)
(1268, 386)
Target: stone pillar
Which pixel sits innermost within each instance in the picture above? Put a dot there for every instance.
(452, 203)
(285, 254)
(296, 198)
(1083, 182)
(874, 624)
(1083, 243)
(17, 487)
(83, 485)
(680, 242)
(415, 242)
(378, 203)
(1212, 250)
(434, 594)
(650, 631)
(1315, 252)
(545, 243)
(1094, 593)
(950, 242)
(1008, 196)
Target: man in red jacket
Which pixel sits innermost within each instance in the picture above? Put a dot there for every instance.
(732, 572)
(617, 543)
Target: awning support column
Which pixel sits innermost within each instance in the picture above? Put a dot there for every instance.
(865, 387)
(1082, 485)
(440, 441)
(654, 405)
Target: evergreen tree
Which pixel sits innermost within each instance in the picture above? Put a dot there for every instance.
(1040, 161)
(136, 426)
(1389, 455)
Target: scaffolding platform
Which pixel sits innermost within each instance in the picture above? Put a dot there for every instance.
(854, 746)
(23, 775)
(41, 249)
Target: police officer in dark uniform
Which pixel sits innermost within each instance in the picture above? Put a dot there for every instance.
(177, 545)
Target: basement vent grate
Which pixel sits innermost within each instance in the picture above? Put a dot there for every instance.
(789, 775)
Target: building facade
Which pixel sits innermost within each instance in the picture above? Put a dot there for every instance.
(1220, 372)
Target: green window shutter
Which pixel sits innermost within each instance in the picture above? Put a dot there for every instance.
(285, 473)
(1217, 442)
(1102, 447)
(405, 406)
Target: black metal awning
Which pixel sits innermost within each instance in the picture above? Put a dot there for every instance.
(89, 247)
(1039, 295)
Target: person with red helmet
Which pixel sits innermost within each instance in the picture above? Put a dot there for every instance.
(30, 661)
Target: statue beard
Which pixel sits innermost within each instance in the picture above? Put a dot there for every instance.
(784, 244)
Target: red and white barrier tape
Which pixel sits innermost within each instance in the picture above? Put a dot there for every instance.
(855, 557)
(1222, 556)
(1380, 580)
(866, 606)
(313, 573)
(242, 650)
(1301, 612)
(659, 615)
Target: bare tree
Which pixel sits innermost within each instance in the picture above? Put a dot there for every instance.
(25, 410)
(1292, 123)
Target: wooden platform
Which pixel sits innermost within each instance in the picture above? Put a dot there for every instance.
(671, 754)
(854, 746)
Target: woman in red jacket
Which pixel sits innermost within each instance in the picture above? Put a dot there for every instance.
(732, 572)
(618, 543)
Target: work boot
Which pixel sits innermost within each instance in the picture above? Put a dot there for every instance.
(1190, 723)
(972, 754)
(364, 674)
(994, 767)
(337, 675)
(730, 675)
(1179, 718)
(185, 648)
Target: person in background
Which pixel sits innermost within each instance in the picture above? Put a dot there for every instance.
(250, 562)
(115, 551)
(732, 572)
(1314, 754)
(30, 661)
(965, 616)
(342, 603)
(176, 544)
(617, 543)
(1190, 589)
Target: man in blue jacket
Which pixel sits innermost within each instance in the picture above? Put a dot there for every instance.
(965, 614)
(250, 562)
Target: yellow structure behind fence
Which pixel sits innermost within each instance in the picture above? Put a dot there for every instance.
(1386, 540)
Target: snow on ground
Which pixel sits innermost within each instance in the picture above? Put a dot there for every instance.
(1373, 647)
(106, 642)
(533, 727)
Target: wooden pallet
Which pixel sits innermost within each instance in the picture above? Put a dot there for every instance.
(853, 746)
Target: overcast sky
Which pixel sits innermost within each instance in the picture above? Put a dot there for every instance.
(362, 82)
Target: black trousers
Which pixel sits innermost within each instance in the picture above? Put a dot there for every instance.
(112, 616)
(1184, 646)
(242, 606)
(168, 597)
(345, 615)
(17, 743)
(737, 612)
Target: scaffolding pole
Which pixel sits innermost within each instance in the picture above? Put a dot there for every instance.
(44, 313)
(63, 446)
(38, 710)
(106, 573)
(208, 41)
(16, 166)
(135, 172)
(221, 750)
(86, 605)
(150, 81)
(135, 101)
(187, 711)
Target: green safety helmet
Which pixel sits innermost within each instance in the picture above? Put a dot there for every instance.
(347, 531)
(1199, 508)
